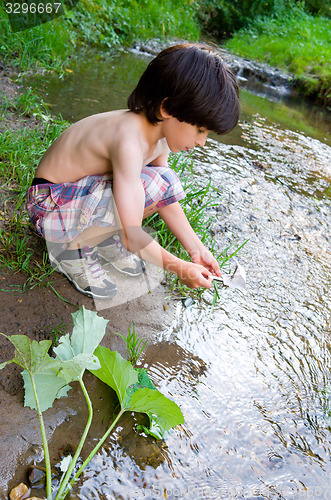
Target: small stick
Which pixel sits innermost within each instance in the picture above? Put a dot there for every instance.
(217, 278)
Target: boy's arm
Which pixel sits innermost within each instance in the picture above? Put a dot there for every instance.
(129, 198)
(176, 220)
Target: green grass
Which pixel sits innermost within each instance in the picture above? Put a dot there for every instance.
(134, 345)
(107, 22)
(104, 23)
(40, 46)
(294, 41)
(21, 150)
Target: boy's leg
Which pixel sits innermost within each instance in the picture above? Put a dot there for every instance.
(91, 236)
(59, 213)
(162, 186)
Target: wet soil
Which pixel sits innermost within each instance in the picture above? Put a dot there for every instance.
(37, 313)
(9, 91)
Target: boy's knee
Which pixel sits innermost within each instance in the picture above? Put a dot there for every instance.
(161, 184)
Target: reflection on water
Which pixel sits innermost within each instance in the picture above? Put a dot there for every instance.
(251, 376)
(97, 82)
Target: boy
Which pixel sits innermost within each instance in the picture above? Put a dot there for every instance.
(107, 172)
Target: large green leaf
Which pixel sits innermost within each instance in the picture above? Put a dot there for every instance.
(40, 367)
(49, 385)
(143, 381)
(76, 352)
(30, 355)
(137, 394)
(115, 371)
(89, 329)
(73, 369)
(52, 376)
(162, 412)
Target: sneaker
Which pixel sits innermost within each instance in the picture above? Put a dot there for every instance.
(83, 270)
(114, 253)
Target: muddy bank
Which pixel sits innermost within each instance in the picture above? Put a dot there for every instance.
(37, 313)
(40, 314)
(9, 92)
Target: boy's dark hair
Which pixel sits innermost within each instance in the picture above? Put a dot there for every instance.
(194, 86)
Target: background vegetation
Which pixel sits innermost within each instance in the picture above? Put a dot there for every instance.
(222, 18)
(105, 23)
(289, 34)
(294, 40)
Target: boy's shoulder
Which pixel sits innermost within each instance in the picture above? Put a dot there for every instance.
(118, 137)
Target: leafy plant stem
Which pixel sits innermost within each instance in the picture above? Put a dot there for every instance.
(44, 440)
(81, 443)
(62, 298)
(91, 455)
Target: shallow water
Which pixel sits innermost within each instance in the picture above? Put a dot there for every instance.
(250, 376)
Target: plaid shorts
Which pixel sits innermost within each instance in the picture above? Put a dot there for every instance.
(60, 212)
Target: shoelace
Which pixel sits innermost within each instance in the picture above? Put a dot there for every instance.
(120, 246)
(93, 263)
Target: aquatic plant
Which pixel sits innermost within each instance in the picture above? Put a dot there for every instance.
(134, 345)
(47, 378)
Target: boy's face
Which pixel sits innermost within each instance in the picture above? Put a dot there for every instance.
(182, 136)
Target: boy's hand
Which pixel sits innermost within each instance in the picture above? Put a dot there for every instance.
(205, 258)
(194, 275)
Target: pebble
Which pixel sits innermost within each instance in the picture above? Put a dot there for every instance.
(37, 476)
(19, 492)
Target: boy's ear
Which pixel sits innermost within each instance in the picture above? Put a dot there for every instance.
(163, 112)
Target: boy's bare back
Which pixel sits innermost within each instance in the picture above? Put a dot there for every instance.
(94, 144)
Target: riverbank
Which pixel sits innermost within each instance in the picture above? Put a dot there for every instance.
(43, 311)
(297, 43)
(289, 39)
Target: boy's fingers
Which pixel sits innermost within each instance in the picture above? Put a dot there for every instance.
(206, 275)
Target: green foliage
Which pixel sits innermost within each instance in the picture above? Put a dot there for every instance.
(52, 376)
(40, 46)
(319, 7)
(134, 345)
(222, 18)
(21, 151)
(89, 330)
(47, 378)
(115, 371)
(295, 41)
(39, 369)
(138, 395)
(109, 22)
(163, 413)
(104, 23)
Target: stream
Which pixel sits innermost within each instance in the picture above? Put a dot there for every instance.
(252, 376)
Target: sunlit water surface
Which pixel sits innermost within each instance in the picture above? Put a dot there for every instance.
(251, 376)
